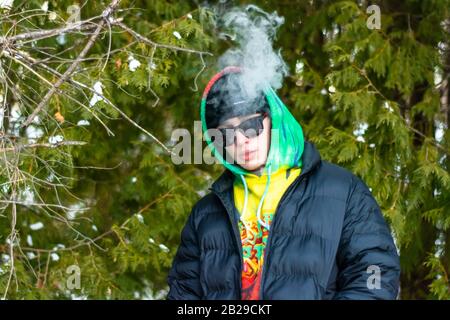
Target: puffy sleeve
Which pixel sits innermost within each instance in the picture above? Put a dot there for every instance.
(184, 275)
(367, 258)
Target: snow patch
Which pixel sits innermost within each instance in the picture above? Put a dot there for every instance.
(133, 64)
(55, 139)
(44, 6)
(177, 35)
(30, 240)
(83, 123)
(6, 4)
(36, 226)
(98, 90)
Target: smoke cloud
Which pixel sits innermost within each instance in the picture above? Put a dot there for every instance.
(253, 30)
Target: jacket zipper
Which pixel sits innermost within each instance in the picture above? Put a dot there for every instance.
(266, 249)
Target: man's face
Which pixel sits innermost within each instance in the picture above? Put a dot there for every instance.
(251, 144)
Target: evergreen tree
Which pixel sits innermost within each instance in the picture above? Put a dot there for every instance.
(87, 182)
(376, 101)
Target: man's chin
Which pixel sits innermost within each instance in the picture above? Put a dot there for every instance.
(249, 166)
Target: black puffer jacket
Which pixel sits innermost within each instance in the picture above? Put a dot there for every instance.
(328, 240)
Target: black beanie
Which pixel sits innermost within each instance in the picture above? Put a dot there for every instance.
(227, 99)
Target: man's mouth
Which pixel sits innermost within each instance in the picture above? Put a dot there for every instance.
(248, 155)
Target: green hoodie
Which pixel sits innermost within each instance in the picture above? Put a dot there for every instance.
(287, 143)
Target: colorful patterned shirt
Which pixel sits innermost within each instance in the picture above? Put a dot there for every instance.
(254, 235)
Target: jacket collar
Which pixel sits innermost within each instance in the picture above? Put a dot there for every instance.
(310, 159)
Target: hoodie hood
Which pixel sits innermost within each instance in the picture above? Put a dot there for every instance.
(287, 141)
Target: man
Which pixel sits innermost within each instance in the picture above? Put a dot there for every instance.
(280, 223)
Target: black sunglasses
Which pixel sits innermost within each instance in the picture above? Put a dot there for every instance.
(250, 128)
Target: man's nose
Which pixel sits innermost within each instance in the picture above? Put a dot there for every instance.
(241, 139)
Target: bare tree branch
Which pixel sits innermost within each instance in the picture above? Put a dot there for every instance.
(45, 145)
(146, 40)
(105, 15)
